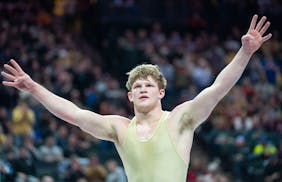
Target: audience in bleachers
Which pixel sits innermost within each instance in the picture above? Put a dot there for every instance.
(243, 136)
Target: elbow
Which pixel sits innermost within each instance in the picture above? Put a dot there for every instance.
(220, 91)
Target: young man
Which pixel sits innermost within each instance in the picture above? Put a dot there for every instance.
(155, 145)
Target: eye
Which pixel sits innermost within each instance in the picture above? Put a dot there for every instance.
(137, 86)
(149, 85)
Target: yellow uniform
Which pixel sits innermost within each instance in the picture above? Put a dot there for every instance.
(153, 160)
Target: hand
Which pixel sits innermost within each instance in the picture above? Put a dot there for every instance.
(16, 77)
(254, 38)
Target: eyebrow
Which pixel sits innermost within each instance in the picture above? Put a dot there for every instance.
(143, 81)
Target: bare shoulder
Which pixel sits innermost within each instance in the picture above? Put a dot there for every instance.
(181, 111)
(104, 127)
(118, 120)
(120, 125)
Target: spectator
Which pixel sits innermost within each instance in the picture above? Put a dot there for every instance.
(6, 170)
(273, 170)
(62, 136)
(94, 171)
(74, 171)
(264, 148)
(239, 157)
(202, 74)
(25, 166)
(82, 180)
(23, 120)
(50, 152)
(47, 179)
(116, 173)
(31, 148)
(2, 136)
(196, 169)
(8, 146)
(114, 131)
(73, 148)
(9, 164)
(28, 33)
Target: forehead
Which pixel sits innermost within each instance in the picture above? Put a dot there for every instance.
(149, 79)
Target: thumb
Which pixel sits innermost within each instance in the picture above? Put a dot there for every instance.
(246, 38)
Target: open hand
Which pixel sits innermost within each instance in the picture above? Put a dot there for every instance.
(254, 38)
(16, 77)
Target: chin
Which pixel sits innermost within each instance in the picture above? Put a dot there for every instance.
(144, 108)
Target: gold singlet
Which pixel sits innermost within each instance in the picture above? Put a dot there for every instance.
(153, 160)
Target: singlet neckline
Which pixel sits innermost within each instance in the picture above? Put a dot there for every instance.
(152, 134)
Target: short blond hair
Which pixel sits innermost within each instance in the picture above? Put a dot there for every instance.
(144, 71)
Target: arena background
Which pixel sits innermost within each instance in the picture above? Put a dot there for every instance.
(81, 51)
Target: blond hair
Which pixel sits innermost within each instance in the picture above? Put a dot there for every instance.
(143, 71)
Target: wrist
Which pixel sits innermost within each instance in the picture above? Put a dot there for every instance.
(33, 87)
(246, 52)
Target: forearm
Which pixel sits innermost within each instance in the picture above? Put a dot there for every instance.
(228, 77)
(203, 104)
(58, 106)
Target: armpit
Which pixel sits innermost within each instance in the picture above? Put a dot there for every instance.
(186, 123)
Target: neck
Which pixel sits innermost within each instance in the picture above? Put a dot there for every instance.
(149, 117)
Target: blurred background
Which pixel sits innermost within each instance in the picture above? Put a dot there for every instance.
(81, 51)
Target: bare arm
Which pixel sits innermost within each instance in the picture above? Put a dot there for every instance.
(202, 105)
(100, 126)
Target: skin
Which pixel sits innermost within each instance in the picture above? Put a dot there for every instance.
(146, 98)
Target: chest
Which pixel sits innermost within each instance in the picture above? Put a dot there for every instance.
(146, 131)
(147, 143)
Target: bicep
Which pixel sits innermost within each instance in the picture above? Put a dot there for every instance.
(203, 104)
(97, 125)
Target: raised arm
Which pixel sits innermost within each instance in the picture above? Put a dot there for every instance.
(100, 126)
(198, 109)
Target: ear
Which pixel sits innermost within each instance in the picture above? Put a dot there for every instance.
(162, 93)
(129, 96)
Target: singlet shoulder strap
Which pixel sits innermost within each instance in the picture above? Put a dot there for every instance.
(164, 116)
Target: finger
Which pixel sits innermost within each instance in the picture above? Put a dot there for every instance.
(253, 22)
(10, 69)
(267, 37)
(16, 65)
(8, 76)
(7, 83)
(260, 23)
(264, 28)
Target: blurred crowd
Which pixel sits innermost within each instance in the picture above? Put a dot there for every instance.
(242, 138)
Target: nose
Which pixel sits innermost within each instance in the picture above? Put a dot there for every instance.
(143, 89)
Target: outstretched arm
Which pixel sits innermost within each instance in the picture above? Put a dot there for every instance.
(198, 109)
(100, 126)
